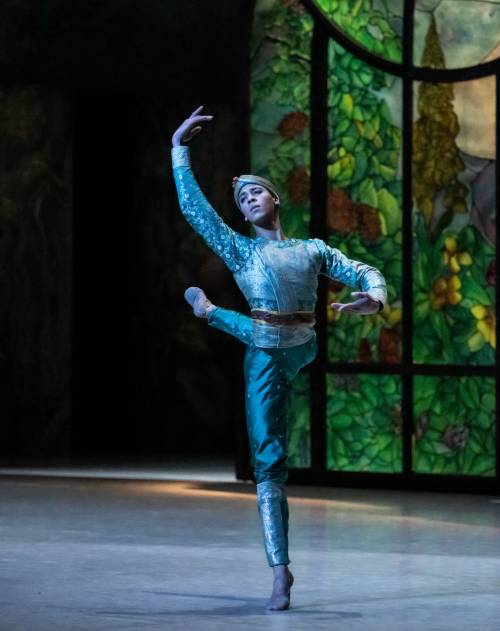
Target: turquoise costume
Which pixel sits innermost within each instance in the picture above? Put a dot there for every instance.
(279, 281)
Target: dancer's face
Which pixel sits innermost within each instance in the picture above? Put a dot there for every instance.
(258, 205)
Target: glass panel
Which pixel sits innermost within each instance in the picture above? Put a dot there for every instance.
(299, 439)
(454, 272)
(465, 33)
(454, 427)
(280, 149)
(364, 423)
(377, 25)
(364, 201)
(280, 86)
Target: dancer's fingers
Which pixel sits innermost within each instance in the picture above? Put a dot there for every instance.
(345, 307)
(363, 296)
(198, 109)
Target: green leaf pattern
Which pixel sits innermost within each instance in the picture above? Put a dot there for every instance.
(364, 423)
(374, 25)
(364, 161)
(454, 425)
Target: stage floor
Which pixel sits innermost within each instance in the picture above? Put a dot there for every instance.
(85, 553)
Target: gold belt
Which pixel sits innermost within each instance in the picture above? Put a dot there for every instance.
(298, 317)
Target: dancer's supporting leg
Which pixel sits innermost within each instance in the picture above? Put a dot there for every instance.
(268, 374)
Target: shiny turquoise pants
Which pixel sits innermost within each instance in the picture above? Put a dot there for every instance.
(268, 375)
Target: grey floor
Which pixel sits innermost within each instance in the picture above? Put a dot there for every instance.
(143, 552)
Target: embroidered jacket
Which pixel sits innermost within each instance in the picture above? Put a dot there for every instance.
(275, 276)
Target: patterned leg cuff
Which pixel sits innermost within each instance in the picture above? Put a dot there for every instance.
(273, 512)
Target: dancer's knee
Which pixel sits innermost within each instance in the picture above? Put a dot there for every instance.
(277, 475)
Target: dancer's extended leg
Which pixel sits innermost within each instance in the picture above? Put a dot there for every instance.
(226, 320)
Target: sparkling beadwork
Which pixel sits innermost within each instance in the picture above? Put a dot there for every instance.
(180, 156)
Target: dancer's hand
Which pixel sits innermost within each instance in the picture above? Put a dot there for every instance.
(363, 306)
(189, 128)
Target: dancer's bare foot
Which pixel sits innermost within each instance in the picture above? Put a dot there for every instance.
(197, 298)
(283, 581)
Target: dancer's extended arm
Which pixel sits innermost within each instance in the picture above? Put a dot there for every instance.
(338, 266)
(227, 243)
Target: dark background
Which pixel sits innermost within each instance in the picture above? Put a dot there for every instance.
(99, 354)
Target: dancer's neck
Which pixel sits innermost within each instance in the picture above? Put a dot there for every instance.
(272, 234)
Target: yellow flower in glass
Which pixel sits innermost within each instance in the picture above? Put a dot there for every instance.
(390, 315)
(485, 328)
(452, 257)
(445, 291)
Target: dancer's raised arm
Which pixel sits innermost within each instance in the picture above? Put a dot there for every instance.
(224, 241)
(338, 266)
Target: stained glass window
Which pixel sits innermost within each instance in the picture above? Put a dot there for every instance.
(407, 182)
(364, 423)
(280, 149)
(454, 223)
(454, 425)
(280, 116)
(363, 211)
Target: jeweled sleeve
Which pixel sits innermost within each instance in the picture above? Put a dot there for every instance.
(232, 247)
(336, 265)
